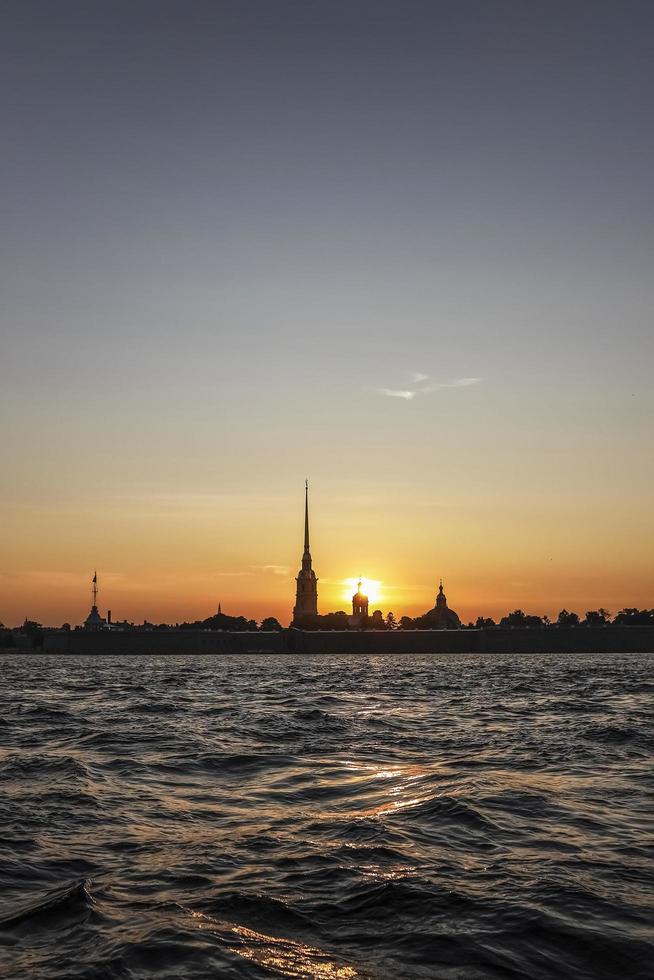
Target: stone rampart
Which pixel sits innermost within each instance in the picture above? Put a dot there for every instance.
(581, 639)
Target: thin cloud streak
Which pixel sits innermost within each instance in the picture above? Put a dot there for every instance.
(409, 394)
(395, 393)
(283, 570)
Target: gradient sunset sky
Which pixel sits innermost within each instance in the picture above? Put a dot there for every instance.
(404, 249)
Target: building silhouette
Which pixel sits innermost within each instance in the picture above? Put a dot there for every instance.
(359, 607)
(359, 602)
(305, 611)
(306, 594)
(94, 621)
(441, 617)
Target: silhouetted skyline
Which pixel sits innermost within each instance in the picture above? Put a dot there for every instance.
(403, 247)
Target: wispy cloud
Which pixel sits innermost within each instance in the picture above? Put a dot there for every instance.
(234, 574)
(397, 393)
(420, 388)
(255, 570)
(461, 383)
(272, 569)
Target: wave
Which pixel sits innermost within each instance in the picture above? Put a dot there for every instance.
(73, 898)
(612, 733)
(239, 762)
(157, 707)
(409, 899)
(452, 810)
(259, 910)
(49, 766)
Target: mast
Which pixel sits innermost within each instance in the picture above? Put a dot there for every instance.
(95, 588)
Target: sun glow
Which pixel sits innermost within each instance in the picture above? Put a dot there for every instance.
(369, 586)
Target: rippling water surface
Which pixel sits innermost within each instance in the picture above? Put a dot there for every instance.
(383, 817)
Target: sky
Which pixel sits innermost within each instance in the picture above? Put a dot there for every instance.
(403, 249)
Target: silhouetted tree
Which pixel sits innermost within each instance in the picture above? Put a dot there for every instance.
(514, 619)
(406, 623)
(270, 623)
(484, 624)
(377, 621)
(597, 617)
(635, 617)
(330, 621)
(335, 620)
(233, 624)
(520, 619)
(391, 622)
(566, 618)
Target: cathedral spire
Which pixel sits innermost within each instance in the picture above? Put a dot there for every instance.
(306, 515)
(306, 597)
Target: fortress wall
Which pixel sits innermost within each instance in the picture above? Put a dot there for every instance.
(574, 639)
(108, 642)
(373, 642)
(603, 639)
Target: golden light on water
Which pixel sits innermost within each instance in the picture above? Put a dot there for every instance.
(369, 586)
(281, 956)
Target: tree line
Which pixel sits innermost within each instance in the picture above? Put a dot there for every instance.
(514, 620)
(517, 619)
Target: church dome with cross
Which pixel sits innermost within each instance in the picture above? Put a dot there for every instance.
(441, 617)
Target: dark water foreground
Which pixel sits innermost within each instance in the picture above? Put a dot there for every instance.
(457, 817)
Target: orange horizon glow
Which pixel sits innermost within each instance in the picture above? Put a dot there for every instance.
(176, 560)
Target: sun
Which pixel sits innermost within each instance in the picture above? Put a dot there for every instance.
(369, 586)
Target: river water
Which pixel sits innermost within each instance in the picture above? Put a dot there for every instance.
(271, 817)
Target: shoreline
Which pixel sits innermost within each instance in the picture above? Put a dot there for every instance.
(549, 640)
(343, 653)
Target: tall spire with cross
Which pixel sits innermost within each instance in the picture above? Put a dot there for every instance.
(306, 516)
(306, 596)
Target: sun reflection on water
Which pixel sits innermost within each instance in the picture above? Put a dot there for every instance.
(286, 957)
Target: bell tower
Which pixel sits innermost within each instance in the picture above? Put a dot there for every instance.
(360, 603)
(306, 595)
